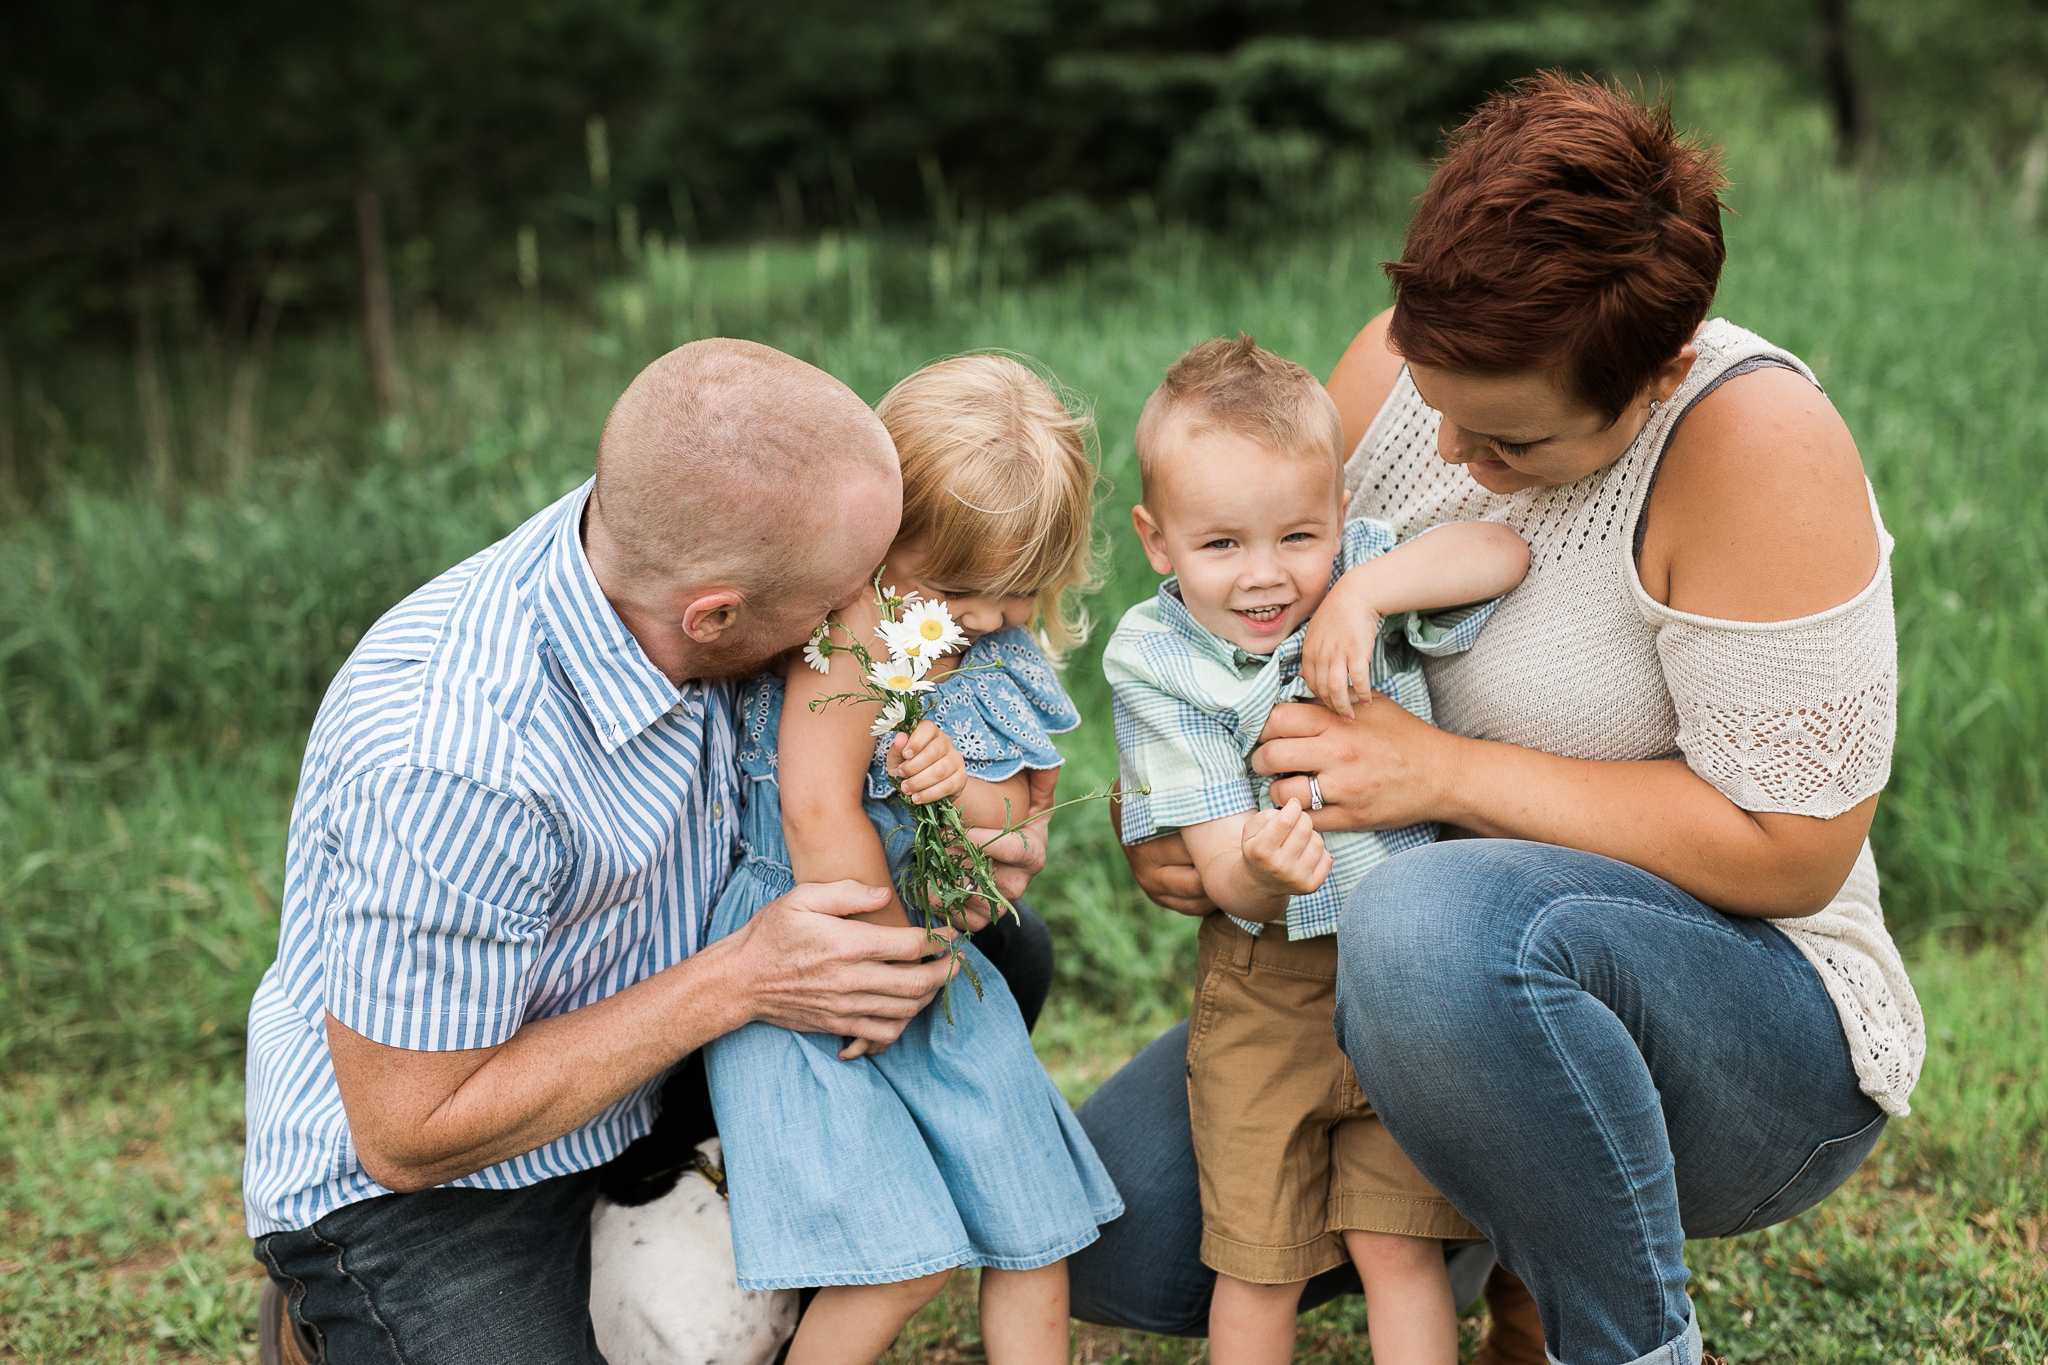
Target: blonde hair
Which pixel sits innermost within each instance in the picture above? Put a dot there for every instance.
(1240, 388)
(998, 472)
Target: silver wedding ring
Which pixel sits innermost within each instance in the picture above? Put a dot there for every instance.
(1315, 793)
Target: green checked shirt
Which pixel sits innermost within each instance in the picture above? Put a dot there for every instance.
(1189, 707)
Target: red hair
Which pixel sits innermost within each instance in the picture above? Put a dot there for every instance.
(1567, 226)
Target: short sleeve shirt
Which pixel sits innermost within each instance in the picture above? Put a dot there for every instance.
(1189, 706)
(506, 812)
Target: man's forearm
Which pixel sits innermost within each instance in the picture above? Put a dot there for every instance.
(550, 1078)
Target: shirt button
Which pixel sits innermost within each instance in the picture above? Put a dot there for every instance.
(718, 810)
(679, 710)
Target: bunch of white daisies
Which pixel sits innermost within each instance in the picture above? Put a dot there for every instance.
(946, 871)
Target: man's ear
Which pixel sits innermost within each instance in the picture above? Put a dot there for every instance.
(712, 615)
(1152, 538)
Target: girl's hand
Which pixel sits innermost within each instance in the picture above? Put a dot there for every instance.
(926, 765)
(1336, 655)
(1282, 849)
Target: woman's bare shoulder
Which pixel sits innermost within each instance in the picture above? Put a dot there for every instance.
(1760, 511)
(1363, 379)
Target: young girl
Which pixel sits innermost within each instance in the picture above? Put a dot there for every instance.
(876, 1174)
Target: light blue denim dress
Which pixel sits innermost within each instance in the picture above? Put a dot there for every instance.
(953, 1148)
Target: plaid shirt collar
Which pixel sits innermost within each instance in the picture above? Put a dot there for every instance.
(1174, 613)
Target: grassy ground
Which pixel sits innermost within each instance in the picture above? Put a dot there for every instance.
(122, 1238)
(160, 657)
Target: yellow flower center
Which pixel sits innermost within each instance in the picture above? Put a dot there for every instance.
(931, 629)
(901, 682)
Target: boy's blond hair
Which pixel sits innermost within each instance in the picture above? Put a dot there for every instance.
(997, 469)
(1240, 388)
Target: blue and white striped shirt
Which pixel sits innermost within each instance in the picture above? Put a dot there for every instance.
(506, 813)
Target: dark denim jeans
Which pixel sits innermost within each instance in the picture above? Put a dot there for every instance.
(1588, 1062)
(502, 1277)
(446, 1276)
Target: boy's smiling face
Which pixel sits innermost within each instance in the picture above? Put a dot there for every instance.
(1253, 534)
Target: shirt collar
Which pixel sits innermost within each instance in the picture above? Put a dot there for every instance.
(622, 692)
(1174, 612)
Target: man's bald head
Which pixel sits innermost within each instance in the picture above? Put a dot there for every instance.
(729, 462)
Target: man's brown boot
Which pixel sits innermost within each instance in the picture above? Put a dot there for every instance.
(278, 1339)
(1516, 1337)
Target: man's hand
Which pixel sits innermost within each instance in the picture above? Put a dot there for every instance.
(1283, 852)
(1019, 855)
(809, 969)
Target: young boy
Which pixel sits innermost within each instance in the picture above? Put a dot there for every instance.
(1241, 460)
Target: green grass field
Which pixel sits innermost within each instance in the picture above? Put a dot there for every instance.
(159, 662)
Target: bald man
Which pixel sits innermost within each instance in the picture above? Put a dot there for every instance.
(516, 811)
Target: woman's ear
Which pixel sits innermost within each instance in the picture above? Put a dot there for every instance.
(1152, 538)
(1672, 373)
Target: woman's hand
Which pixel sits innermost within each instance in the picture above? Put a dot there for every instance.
(1381, 769)
(926, 765)
(1165, 869)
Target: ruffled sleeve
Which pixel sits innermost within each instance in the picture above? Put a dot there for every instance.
(1000, 708)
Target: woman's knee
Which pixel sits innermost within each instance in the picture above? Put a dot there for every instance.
(1428, 916)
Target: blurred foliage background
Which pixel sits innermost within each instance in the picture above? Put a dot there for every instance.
(219, 165)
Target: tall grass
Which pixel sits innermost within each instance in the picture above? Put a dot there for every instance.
(161, 658)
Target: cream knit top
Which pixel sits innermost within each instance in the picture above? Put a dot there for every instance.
(1792, 716)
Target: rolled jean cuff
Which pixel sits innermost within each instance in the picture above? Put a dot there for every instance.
(1684, 1349)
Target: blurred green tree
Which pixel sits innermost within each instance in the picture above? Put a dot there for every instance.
(262, 146)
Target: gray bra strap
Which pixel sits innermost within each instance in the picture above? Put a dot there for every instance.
(1735, 371)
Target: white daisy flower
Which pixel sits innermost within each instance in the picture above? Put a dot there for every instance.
(891, 717)
(902, 676)
(817, 650)
(904, 642)
(932, 625)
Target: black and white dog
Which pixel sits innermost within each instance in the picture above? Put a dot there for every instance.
(663, 1290)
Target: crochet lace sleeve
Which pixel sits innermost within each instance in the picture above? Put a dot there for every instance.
(1794, 716)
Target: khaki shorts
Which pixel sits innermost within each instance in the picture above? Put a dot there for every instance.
(1291, 1154)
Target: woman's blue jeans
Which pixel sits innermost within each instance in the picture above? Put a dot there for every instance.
(1588, 1062)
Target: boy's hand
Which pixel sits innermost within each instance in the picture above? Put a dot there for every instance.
(1336, 655)
(1282, 849)
(926, 765)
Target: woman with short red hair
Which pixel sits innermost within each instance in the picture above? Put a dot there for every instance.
(1655, 997)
